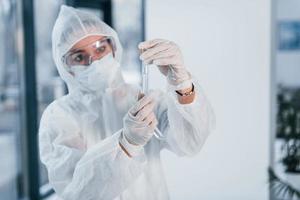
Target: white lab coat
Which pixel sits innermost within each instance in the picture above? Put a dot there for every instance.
(79, 133)
(79, 144)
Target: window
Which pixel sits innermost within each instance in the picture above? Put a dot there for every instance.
(10, 107)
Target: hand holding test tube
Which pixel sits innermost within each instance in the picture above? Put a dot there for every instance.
(145, 88)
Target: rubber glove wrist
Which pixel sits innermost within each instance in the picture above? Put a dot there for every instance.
(179, 78)
(133, 150)
(181, 86)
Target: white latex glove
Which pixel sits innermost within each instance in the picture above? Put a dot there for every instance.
(168, 57)
(140, 121)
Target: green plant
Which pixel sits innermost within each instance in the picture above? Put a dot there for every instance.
(281, 188)
(288, 128)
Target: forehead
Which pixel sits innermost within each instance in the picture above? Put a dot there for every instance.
(86, 41)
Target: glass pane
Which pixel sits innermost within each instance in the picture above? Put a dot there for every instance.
(49, 85)
(127, 17)
(286, 156)
(9, 100)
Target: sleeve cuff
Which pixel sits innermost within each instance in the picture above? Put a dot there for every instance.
(133, 150)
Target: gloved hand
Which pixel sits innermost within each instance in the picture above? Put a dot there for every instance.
(140, 121)
(167, 56)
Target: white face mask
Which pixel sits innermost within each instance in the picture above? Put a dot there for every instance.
(99, 75)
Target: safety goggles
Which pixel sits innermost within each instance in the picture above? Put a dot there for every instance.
(87, 54)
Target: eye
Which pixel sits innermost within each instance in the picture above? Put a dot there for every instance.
(101, 49)
(77, 58)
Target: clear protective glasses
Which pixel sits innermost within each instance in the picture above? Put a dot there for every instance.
(85, 55)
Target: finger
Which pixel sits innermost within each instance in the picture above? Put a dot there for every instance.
(165, 61)
(163, 54)
(145, 111)
(155, 50)
(150, 43)
(140, 95)
(153, 123)
(141, 103)
(148, 120)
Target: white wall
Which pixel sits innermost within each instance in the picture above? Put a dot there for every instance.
(226, 45)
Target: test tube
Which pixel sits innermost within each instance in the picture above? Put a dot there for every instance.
(145, 88)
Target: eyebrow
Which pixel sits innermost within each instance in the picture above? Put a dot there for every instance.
(78, 51)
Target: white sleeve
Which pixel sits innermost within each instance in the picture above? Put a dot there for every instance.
(100, 172)
(186, 126)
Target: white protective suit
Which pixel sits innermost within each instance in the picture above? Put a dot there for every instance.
(79, 133)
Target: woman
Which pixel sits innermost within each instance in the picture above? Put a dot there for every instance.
(97, 141)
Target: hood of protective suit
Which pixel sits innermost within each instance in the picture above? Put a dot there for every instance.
(71, 26)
